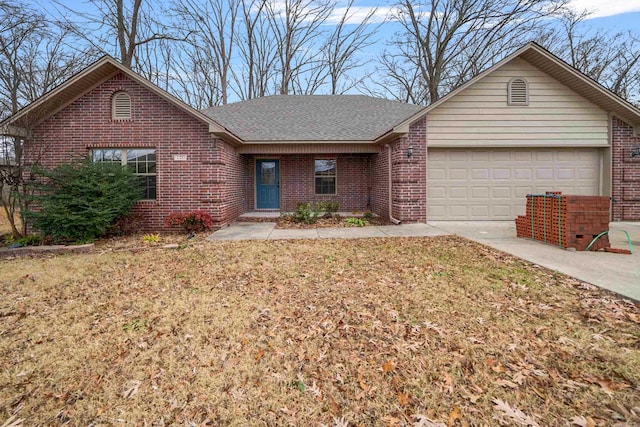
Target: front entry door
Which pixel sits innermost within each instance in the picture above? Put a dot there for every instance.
(267, 184)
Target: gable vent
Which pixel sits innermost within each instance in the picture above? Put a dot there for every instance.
(518, 92)
(121, 108)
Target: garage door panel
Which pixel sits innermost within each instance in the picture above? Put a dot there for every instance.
(565, 174)
(437, 192)
(481, 193)
(501, 192)
(459, 211)
(458, 193)
(492, 184)
(458, 174)
(500, 156)
(480, 210)
(480, 174)
(504, 174)
(436, 174)
(544, 173)
(521, 173)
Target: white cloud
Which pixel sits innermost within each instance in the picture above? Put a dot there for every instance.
(602, 8)
(358, 13)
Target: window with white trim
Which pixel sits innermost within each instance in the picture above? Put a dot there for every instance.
(141, 161)
(325, 176)
(518, 92)
(121, 106)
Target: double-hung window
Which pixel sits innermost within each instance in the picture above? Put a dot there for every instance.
(325, 176)
(141, 161)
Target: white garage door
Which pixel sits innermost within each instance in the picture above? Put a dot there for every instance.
(491, 184)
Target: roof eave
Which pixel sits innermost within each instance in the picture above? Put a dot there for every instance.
(54, 101)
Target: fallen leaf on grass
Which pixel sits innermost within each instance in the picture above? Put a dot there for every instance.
(363, 384)
(423, 421)
(611, 387)
(260, 355)
(453, 416)
(132, 391)
(340, 422)
(583, 422)
(333, 406)
(506, 383)
(13, 422)
(403, 399)
(388, 366)
(514, 415)
(391, 421)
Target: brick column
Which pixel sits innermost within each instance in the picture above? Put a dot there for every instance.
(626, 173)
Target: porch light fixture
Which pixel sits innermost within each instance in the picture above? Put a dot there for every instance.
(635, 151)
(410, 151)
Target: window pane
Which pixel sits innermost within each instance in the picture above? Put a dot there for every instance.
(268, 173)
(109, 155)
(326, 167)
(325, 185)
(148, 184)
(139, 161)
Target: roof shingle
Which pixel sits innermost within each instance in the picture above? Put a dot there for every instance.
(311, 117)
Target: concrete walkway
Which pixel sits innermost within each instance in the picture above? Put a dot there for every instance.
(616, 272)
(267, 230)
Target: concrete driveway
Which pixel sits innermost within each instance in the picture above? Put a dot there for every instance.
(616, 272)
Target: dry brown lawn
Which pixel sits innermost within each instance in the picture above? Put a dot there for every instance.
(376, 332)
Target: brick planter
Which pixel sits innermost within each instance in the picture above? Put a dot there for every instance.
(566, 221)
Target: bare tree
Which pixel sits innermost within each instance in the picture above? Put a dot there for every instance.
(33, 60)
(296, 28)
(612, 59)
(131, 30)
(257, 52)
(448, 41)
(340, 51)
(212, 25)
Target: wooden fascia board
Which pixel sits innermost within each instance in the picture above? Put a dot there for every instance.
(11, 130)
(308, 142)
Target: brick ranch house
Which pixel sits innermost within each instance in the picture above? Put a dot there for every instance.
(528, 124)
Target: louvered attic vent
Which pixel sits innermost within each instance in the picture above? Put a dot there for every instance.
(121, 108)
(518, 92)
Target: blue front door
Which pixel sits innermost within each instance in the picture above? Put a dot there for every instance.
(267, 184)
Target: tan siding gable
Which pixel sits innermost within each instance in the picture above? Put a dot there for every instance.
(480, 116)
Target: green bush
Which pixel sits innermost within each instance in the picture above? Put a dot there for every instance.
(328, 207)
(357, 222)
(79, 201)
(305, 212)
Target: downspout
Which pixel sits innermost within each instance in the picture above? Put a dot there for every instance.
(391, 218)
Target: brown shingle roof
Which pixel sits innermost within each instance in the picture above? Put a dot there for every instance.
(312, 117)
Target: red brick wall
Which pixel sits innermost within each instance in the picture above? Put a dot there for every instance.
(626, 173)
(408, 177)
(297, 182)
(209, 179)
(379, 183)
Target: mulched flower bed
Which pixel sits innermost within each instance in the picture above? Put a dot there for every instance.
(332, 222)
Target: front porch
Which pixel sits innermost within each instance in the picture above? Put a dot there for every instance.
(272, 216)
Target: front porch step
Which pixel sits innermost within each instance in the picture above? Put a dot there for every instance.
(260, 216)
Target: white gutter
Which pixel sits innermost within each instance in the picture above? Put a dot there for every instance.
(391, 218)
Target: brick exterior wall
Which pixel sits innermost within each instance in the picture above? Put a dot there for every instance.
(297, 181)
(210, 179)
(215, 177)
(626, 173)
(379, 183)
(408, 177)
